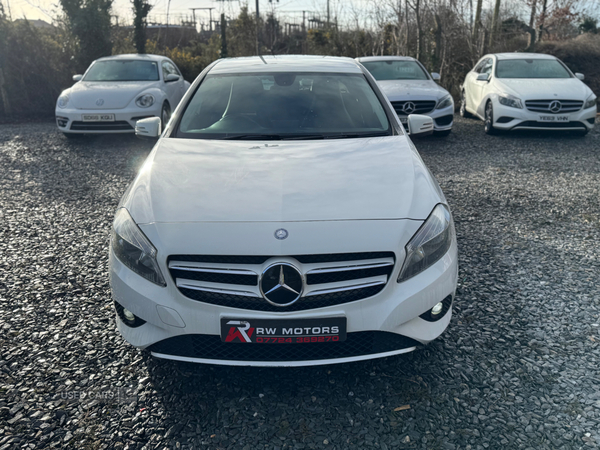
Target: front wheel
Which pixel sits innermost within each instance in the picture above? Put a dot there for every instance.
(165, 115)
(489, 119)
(463, 106)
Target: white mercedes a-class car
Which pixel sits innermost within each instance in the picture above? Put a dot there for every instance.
(283, 218)
(412, 90)
(117, 91)
(511, 91)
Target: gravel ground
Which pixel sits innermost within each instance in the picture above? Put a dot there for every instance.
(517, 368)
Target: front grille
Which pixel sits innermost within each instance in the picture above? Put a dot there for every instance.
(233, 281)
(534, 124)
(210, 347)
(119, 125)
(421, 106)
(566, 106)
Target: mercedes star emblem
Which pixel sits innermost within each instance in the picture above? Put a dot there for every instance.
(409, 107)
(99, 102)
(281, 234)
(555, 106)
(281, 284)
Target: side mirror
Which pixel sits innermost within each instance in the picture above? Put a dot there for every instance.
(77, 77)
(171, 77)
(148, 128)
(483, 77)
(436, 76)
(420, 125)
(580, 76)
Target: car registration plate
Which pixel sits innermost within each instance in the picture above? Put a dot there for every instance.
(274, 331)
(98, 117)
(553, 119)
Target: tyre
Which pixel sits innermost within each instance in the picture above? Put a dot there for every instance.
(165, 115)
(489, 119)
(463, 106)
(444, 133)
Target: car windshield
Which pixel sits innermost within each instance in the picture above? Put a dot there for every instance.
(122, 70)
(284, 106)
(531, 68)
(396, 70)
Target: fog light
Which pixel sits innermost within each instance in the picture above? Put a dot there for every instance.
(434, 311)
(129, 315)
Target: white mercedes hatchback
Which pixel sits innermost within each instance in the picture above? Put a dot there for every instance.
(511, 91)
(283, 218)
(117, 91)
(412, 90)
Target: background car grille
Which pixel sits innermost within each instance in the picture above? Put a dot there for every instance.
(232, 281)
(543, 106)
(101, 126)
(421, 106)
(210, 347)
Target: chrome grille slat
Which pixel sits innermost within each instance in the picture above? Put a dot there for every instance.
(233, 281)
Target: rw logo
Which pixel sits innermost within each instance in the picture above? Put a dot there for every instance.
(240, 330)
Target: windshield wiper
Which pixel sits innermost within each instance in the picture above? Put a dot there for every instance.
(260, 137)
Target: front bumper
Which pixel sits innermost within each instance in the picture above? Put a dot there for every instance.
(507, 118)
(70, 120)
(443, 118)
(388, 323)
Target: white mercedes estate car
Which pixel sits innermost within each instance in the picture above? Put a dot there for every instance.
(283, 218)
(117, 91)
(412, 90)
(511, 91)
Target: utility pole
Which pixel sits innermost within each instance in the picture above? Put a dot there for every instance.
(257, 30)
(167, 30)
(327, 13)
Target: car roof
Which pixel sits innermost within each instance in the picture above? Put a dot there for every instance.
(134, 56)
(385, 58)
(517, 55)
(285, 63)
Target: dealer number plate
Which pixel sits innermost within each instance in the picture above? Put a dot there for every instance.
(98, 117)
(269, 331)
(553, 119)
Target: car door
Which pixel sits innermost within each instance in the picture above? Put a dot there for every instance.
(480, 85)
(174, 89)
(470, 83)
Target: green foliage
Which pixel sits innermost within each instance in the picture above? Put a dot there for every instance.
(141, 8)
(588, 25)
(89, 22)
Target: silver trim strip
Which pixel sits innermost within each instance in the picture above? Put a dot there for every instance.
(217, 291)
(349, 268)
(345, 288)
(211, 270)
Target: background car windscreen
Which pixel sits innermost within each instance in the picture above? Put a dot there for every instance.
(395, 70)
(123, 70)
(531, 68)
(301, 105)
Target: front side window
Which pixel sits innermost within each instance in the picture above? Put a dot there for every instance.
(396, 70)
(122, 70)
(169, 69)
(487, 66)
(283, 106)
(531, 68)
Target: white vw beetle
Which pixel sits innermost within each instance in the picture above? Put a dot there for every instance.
(117, 91)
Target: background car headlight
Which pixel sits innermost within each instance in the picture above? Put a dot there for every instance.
(429, 244)
(444, 102)
(590, 102)
(144, 101)
(510, 100)
(62, 101)
(134, 249)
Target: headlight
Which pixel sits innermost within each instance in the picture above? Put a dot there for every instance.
(445, 102)
(590, 102)
(145, 101)
(429, 244)
(134, 249)
(62, 101)
(510, 100)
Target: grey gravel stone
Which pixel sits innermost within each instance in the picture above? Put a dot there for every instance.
(516, 369)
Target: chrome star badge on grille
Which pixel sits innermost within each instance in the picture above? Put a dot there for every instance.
(281, 284)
